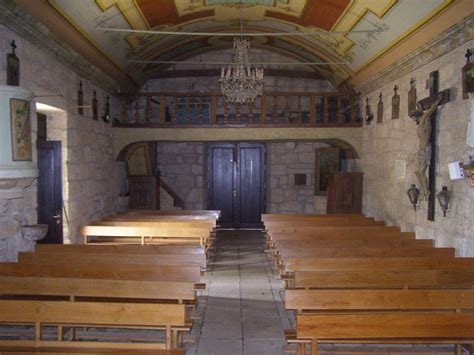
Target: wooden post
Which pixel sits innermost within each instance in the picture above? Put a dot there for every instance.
(326, 111)
(212, 110)
(340, 120)
(312, 109)
(148, 109)
(263, 110)
(162, 115)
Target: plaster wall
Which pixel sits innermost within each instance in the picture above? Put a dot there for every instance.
(395, 139)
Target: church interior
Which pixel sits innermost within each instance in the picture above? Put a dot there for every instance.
(225, 176)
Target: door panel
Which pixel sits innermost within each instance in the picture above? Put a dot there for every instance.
(221, 187)
(50, 190)
(236, 183)
(252, 183)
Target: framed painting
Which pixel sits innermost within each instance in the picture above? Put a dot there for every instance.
(328, 160)
(21, 130)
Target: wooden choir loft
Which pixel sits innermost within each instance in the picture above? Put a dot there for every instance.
(237, 177)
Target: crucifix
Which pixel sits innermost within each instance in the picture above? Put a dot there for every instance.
(425, 117)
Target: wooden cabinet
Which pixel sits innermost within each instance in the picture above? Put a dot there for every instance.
(345, 192)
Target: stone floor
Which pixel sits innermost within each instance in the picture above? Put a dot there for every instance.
(241, 311)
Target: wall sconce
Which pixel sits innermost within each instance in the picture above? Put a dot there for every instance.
(413, 194)
(443, 198)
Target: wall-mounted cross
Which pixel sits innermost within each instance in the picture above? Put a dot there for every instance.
(13, 45)
(426, 132)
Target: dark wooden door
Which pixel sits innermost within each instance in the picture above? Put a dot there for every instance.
(50, 201)
(345, 192)
(236, 183)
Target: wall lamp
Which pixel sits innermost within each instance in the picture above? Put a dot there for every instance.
(444, 196)
(413, 194)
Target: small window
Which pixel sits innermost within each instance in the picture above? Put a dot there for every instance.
(300, 179)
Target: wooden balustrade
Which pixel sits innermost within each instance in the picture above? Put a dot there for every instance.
(323, 109)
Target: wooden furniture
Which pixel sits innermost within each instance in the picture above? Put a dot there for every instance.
(345, 192)
(144, 192)
(64, 314)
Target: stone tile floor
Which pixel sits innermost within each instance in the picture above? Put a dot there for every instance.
(242, 313)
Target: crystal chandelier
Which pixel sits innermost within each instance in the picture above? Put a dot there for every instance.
(240, 83)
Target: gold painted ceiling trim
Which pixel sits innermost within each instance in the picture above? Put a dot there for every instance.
(62, 29)
(437, 25)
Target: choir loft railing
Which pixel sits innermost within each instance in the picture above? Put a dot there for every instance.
(273, 109)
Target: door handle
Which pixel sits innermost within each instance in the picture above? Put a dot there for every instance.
(234, 193)
(58, 216)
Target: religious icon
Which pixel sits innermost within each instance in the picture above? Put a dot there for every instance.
(412, 97)
(13, 67)
(106, 116)
(368, 112)
(95, 108)
(467, 76)
(328, 161)
(380, 109)
(395, 103)
(21, 130)
(80, 100)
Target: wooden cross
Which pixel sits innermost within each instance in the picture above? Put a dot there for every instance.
(425, 103)
(13, 45)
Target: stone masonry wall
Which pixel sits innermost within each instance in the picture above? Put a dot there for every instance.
(284, 160)
(90, 173)
(384, 195)
(183, 168)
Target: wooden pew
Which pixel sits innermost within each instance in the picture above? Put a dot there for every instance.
(211, 213)
(310, 232)
(151, 260)
(364, 252)
(394, 242)
(107, 271)
(377, 263)
(77, 288)
(374, 300)
(409, 327)
(151, 222)
(323, 222)
(293, 217)
(144, 235)
(121, 249)
(438, 278)
(168, 317)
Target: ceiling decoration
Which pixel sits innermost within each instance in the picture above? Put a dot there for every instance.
(395, 19)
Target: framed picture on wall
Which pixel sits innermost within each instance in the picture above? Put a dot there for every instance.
(328, 160)
(20, 130)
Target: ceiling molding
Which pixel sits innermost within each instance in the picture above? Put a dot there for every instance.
(449, 40)
(62, 32)
(216, 72)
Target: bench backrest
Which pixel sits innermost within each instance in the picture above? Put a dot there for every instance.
(323, 222)
(76, 287)
(364, 252)
(354, 243)
(156, 223)
(345, 300)
(351, 231)
(142, 259)
(324, 235)
(377, 263)
(111, 271)
(155, 231)
(121, 249)
(408, 326)
(99, 313)
(213, 213)
(385, 279)
(290, 217)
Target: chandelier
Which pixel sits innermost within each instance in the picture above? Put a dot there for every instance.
(240, 83)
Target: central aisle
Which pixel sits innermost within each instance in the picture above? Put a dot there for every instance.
(242, 311)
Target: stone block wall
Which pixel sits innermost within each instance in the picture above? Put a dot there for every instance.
(284, 160)
(384, 192)
(183, 168)
(90, 172)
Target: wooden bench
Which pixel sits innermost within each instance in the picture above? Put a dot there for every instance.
(408, 327)
(107, 271)
(439, 278)
(377, 263)
(64, 314)
(144, 235)
(210, 213)
(78, 288)
(151, 260)
(121, 249)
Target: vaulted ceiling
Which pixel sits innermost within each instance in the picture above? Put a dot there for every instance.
(339, 24)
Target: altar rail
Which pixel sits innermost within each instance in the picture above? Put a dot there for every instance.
(271, 110)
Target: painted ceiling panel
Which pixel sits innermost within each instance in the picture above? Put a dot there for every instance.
(392, 20)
